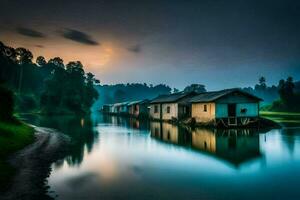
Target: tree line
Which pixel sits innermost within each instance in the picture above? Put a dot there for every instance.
(45, 86)
(137, 91)
(283, 97)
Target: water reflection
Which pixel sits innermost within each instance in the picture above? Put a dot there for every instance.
(126, 122)
(289, 137)
(235, 146)
(79, 129)
(111, 155)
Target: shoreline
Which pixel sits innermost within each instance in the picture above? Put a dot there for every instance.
(33, 165)
(259, 122)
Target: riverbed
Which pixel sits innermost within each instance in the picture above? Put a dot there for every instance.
(121, 158)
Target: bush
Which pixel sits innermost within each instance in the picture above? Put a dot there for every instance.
(26, 103)
(6, 104)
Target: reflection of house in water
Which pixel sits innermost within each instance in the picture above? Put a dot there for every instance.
(169, 133)
(126, 122)
(138, 124)
(235, 146)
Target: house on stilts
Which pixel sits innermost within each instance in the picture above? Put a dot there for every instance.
(230, 107)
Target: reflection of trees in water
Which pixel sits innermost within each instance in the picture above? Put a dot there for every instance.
(82, 137)
(288, 137)
(80, 130)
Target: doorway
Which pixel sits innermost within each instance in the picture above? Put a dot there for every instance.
(232, 110)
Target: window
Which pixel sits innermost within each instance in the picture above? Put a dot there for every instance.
(156, 109)
(168, 109)
(205, 108)
(244, 110)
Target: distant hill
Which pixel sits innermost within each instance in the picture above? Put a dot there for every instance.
(128, 92)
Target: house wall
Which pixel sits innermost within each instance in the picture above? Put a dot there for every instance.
(152, 113)
(242, 102)
(173, 111)
(114, 109)
(252, 109)
(133, 111)
(130, 109)
(200, 115)
(236, 98)
(219, 109)
(123, 109)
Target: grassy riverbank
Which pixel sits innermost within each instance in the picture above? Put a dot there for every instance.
(289, 119)
(13, 137)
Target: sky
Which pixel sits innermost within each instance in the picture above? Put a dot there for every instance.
(218, 43)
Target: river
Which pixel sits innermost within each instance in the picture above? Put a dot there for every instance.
(120, 158)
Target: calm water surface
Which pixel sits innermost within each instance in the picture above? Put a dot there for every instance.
(120, 158)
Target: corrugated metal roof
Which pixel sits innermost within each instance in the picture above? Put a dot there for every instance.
(171, 97)
(138, 102)
(213, 96)
(121, 104)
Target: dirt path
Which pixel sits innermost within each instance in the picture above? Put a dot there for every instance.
(33, 165)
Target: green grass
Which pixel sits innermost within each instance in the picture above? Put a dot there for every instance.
(284, 118)
(279, 113)
(13, 137)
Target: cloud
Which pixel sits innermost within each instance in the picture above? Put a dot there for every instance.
(79, 36)
(135, 48)
(30, 32)
(39, 46)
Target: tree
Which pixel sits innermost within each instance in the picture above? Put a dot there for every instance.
(23, 56)
(91, 92)
(175, 90)
(58, 89)
(75, 66)
(41, 61)
(6, 104)
(286, 90)
(281, 89)
(262, 82)
(69, 90)
(289, 87)
(119, 96)
(57, 61)
(261, 86)
(195, 88)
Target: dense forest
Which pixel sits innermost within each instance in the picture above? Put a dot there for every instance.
(47, 87)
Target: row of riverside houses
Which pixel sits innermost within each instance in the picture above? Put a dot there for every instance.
(134, 108)
(230, 107)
